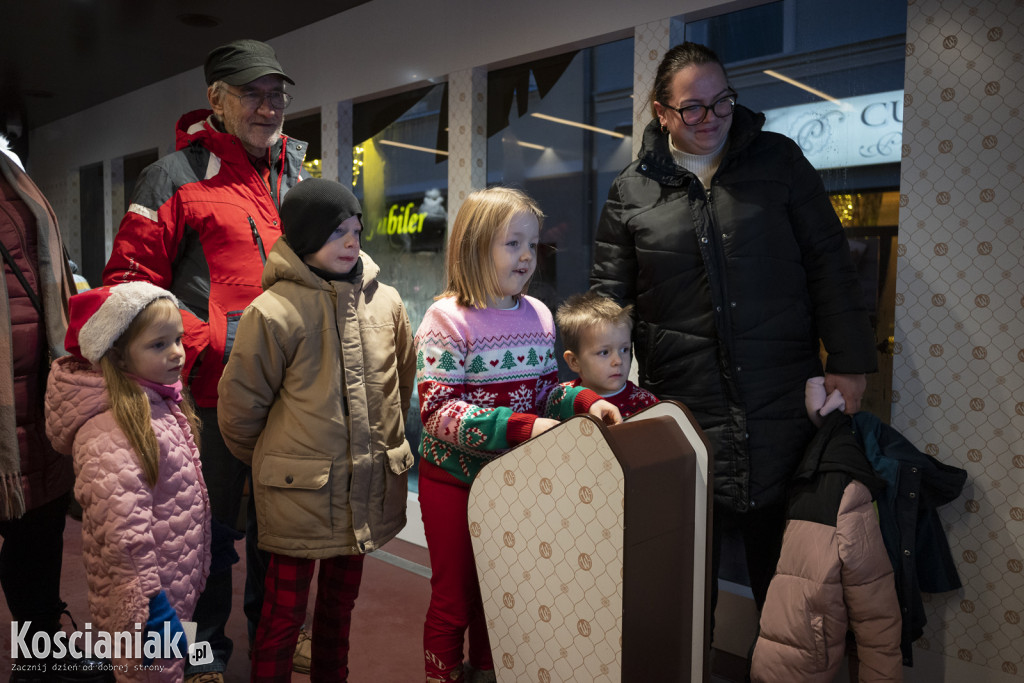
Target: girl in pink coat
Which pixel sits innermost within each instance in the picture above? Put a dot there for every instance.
(116, 405)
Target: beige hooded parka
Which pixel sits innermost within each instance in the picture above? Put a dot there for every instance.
(314, 397)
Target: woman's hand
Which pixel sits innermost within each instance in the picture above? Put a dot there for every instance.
(541, 425)
(606, 412)
(850, 386)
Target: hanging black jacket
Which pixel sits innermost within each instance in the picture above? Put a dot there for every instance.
(916, 486)
(733, 288)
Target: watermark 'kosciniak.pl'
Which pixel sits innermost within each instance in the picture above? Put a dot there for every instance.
(136, 644)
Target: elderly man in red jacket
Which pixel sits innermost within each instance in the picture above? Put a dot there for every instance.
(200, 224)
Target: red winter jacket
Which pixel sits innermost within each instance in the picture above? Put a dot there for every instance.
(200, 224)
(29, 233)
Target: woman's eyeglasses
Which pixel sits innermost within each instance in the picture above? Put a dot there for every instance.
(694, 114)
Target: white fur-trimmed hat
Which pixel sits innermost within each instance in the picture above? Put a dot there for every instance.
(99, 316)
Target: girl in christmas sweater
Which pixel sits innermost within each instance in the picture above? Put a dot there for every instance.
(485, 369)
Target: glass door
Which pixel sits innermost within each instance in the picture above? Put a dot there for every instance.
(870, 219)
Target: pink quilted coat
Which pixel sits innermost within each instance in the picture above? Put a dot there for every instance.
(136, 541)
(829, 579)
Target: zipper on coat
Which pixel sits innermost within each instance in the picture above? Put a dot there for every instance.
(257, 240)
(277, 173)
(16, 269)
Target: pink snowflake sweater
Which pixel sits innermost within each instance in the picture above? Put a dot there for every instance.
(484, 376)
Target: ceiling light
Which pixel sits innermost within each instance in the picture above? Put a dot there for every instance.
(414, 147)
(578, 125)
(530, 145)
(803, 86)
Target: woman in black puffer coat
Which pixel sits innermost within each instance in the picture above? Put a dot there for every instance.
(723, 238)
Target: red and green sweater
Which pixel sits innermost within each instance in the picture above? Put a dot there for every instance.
(629, 399)
(484, 376)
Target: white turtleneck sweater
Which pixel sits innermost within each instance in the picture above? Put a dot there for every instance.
(701, 165)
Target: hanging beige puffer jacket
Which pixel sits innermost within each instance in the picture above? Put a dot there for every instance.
(833, 573)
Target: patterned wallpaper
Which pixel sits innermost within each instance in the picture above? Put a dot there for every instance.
(467, 137)
(959, 365)
(331, 132)
(650, 42)
(65, 200)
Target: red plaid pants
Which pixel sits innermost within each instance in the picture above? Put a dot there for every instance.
(284, 610)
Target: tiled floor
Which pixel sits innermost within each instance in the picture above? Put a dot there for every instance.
(386, 625)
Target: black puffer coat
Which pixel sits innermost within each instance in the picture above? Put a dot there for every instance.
(733, 289)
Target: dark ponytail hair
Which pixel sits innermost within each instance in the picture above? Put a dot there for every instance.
(674, 61)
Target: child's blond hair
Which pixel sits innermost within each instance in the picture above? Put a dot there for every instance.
(129, 404)
(582, 311)
(469, 269)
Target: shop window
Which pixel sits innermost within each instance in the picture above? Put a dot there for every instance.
(91, 213)
(737, 36)
(400, 175)
(838, 93)
(871, 219)
(134, 164)
(560, 129)
(306, 127)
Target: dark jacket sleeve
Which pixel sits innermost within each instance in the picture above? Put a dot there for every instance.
(614, 270)
(838, 303)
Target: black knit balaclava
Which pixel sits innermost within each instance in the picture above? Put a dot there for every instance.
(312, 210)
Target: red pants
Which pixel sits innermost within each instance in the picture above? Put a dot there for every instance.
(284, 610)
(455, 603)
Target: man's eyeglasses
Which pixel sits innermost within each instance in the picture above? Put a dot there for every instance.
(695, 114)
(254, 100)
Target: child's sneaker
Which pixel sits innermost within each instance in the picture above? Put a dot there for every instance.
(303, 652)
(206, 677)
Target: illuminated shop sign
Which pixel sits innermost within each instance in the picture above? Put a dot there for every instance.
(856, 131)
(416, 224)
(400, 220)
